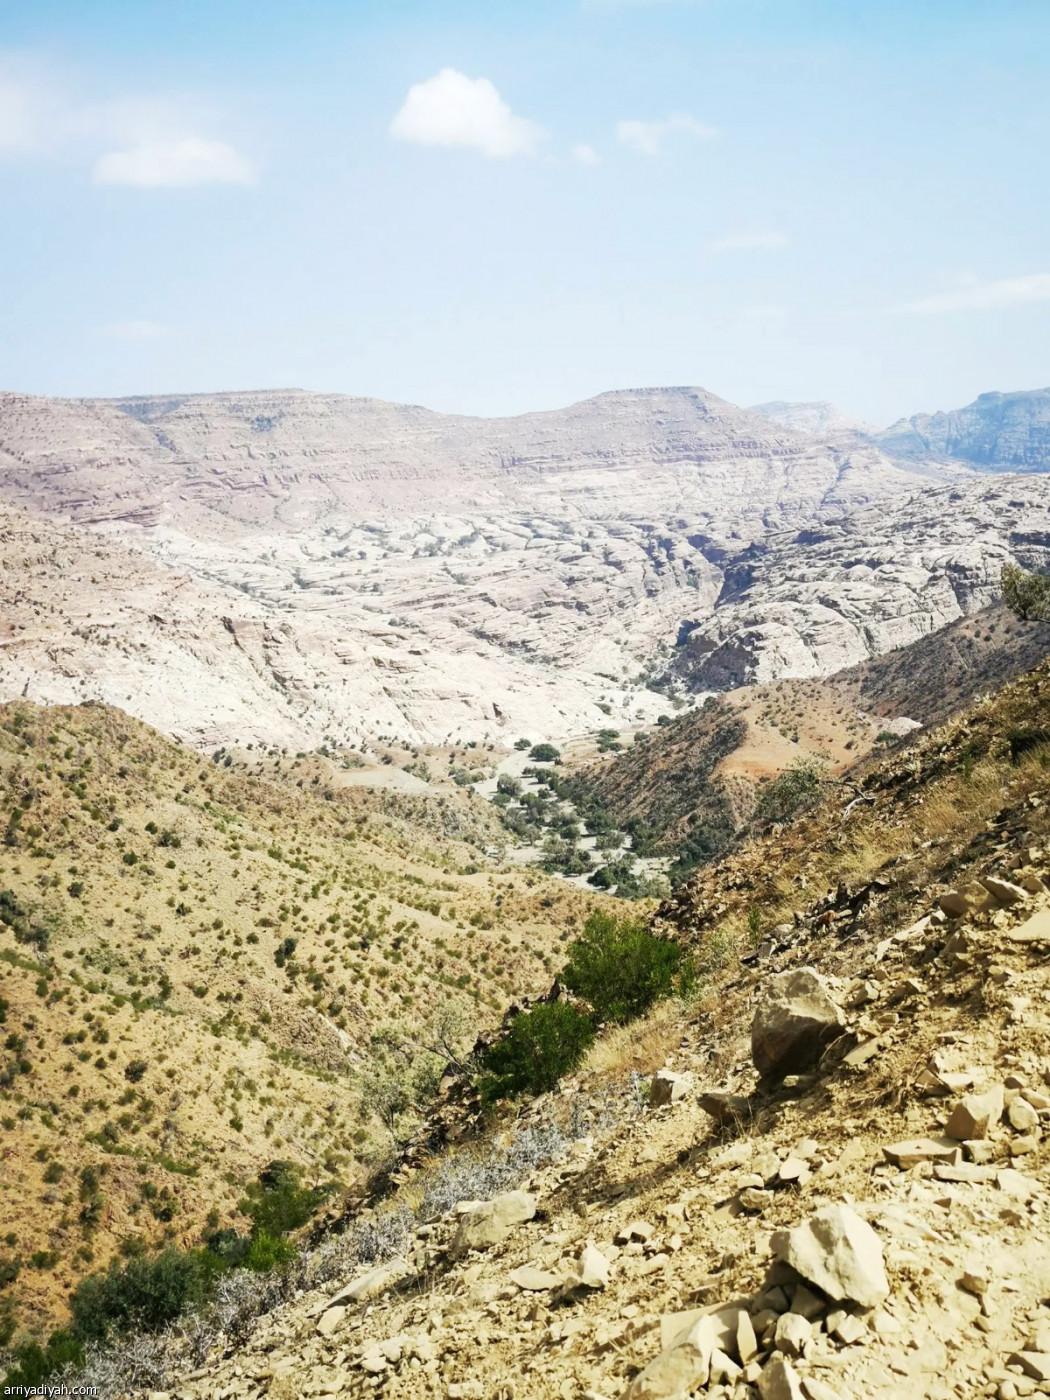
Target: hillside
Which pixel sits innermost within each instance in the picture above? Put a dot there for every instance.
(817, 601)
(997, 432)
(360, 569)
(916, 1141)
(196, 959)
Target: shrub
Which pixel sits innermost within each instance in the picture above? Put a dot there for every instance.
(544, 753)
(134, 1070)
(144, 1294)
(279, 1204)
(791, 792)
(1026, 595)
(35, 1363)
(541, 1046)
(521, 745)
(622, 969)
(268, 1252)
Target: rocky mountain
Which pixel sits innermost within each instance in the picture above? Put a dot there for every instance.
(823, 1177)
(997, 432)
(812, 602)
(290, 567)
(819, 418)
(308, 565)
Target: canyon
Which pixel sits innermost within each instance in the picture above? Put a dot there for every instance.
(289, 568)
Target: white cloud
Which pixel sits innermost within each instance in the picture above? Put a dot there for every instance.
(135, 330)
(451, 109)
(586, 155)
(147, 143)
(984, 296)
(648, 137)
(174, 163)
(745, 242)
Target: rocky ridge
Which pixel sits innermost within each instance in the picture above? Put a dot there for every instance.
(997, 432)
(379, 568)
(814, 602)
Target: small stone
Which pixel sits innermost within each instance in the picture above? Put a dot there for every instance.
(1021, 1146)
(1022, 1116)
(779, 1380)
(954, 904)
(746, 1341)
(1035, 1364)
(1002, 890)
(976, 1280)
(792, 1334)
(910, 1153)
(667, 1087)
(753, 1199)
(724, 1107)
(1014, 1183)
(795, 1022)
(846, 1328)
(490, 1222)
(839, 1253)
(533, 1280)
(639, 1230)
(723, 1368)
(681, 1367)
(592, 1268)
(330, 1320)
(973, 1115)
(806, 1303)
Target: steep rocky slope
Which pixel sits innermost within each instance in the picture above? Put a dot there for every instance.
(195, 959)
(379, 568)
(813, 602)
(997, 432)
(874, 1223)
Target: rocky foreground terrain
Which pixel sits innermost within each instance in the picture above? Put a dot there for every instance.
(825, 1178)
(300, 566)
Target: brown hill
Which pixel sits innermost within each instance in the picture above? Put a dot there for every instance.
(196, 959)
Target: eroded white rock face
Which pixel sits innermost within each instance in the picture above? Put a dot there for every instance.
(812, 602)
(284, 567)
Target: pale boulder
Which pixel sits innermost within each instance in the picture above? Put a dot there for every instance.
(794, 1023)
(838, 1252)
(490, 1222)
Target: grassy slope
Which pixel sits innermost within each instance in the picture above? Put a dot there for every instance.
(164, 954)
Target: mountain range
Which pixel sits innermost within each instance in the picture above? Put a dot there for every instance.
(288, 567)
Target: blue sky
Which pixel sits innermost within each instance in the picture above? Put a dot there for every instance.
(494, 208)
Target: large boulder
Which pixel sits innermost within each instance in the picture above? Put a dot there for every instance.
(794, 1023)
(490, 1222)
(838, 1252)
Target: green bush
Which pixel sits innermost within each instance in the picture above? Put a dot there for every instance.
(279, 1204)
(1026, 595)
(268, 1252)
(622, 969)
(790, 793)
(541, 1046)
(545, 753)
(35, 1363)
(142, 1294)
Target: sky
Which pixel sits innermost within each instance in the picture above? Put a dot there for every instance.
(496, 208)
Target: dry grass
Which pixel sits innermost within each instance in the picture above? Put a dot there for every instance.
(641, 1047)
